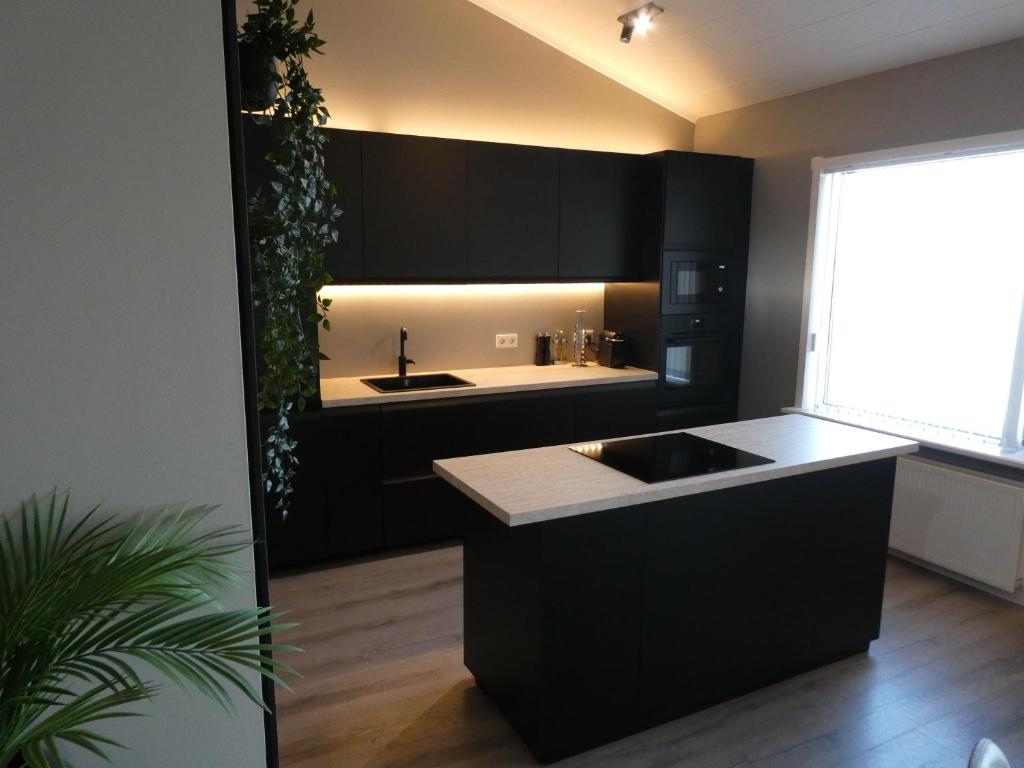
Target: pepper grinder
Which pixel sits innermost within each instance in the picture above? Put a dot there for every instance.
(579, 346)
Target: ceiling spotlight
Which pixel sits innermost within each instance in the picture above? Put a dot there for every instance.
(639, 20)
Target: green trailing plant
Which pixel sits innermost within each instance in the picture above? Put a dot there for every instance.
(82, 603)
(291, 221)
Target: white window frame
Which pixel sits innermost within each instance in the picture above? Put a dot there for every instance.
(818, 274)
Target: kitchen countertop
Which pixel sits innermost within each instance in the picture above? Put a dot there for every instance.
(539, 484)
(350, 390)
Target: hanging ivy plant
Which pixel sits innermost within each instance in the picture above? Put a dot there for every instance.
(290, 223)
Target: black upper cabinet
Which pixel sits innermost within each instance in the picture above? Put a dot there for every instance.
(414, 215)
(343, 168)
(512, 216)
(607, 216)
(707, 200)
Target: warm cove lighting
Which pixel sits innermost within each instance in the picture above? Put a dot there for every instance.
(475, 289)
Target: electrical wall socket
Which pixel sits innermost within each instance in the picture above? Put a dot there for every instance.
(506, 340)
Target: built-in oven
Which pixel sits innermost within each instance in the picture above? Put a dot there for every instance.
(695, 281)
(696, 360)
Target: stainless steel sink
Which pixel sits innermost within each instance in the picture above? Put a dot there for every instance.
(413, 383)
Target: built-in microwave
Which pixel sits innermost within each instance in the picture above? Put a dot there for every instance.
(696, 357)
(695, 281)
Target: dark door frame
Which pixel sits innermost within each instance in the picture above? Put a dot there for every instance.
(239, 197)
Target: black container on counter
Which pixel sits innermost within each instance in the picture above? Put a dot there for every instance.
(612, 349)
(542, 354)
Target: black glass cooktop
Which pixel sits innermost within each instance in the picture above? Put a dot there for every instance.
(668, 457)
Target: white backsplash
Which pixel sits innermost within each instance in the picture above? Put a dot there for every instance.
(450, 327)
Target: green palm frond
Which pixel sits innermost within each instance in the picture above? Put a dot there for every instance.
(81, 605)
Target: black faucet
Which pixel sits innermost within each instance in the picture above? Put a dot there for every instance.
(403, 361)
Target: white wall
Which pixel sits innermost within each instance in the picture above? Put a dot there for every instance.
(119, 331)
(966, 94)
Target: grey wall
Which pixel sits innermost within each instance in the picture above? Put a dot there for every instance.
(967, 94)
(119, 331)
(450, 327)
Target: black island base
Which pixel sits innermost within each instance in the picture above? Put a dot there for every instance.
(589, 628)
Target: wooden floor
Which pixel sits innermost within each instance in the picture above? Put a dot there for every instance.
(384, 684)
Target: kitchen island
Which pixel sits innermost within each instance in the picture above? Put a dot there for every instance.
(598, 605)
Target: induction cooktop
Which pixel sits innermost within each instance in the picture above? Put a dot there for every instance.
(657, 458)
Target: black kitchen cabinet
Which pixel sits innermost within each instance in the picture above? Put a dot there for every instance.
(302, 537)
(607, 216)
(414, 434)
(418, 506)
(422, 510)
(706, 200)
(512, 211)
(525, 420)
(343, 168)
(615, 411)
(351, 475)
(414, 207)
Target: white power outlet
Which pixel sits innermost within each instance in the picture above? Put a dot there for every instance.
(506, 340)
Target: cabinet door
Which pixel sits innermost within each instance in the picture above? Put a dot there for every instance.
(302, 537)
(343, 168)
(526, 420)
(607, 216)
(422, 510)
(415, 434)
(616, 411)
(414, 207)
(707, 200)
(512, 218)
(351, 471)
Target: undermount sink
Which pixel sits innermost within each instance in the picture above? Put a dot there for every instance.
(413, 383)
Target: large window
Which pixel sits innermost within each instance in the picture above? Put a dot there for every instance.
(915, 320)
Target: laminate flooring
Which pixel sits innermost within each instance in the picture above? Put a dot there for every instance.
(383, 684)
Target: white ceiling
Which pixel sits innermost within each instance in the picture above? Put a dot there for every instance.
(708, 56)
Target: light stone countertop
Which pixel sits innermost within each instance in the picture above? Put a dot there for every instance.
(531, 486)
(350, 391)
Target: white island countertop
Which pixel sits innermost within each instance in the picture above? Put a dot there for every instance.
(488, 381)
(539, 484)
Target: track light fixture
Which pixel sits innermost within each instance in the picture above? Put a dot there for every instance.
(639, 20)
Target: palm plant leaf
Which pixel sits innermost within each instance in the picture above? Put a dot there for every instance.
(82, 605)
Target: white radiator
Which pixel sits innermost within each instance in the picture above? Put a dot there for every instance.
(964, 521)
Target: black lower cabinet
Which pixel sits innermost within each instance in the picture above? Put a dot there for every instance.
(352, 475)
(526, 420)
(585, 629)
(615, 411)
(552, 612)
(795, 567)
(414, 434)
(365, 480)
(421, 510)
(302, 537)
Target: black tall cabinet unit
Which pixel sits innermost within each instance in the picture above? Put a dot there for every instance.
(687, 321)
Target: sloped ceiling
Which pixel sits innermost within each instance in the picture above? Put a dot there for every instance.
(708, 56)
